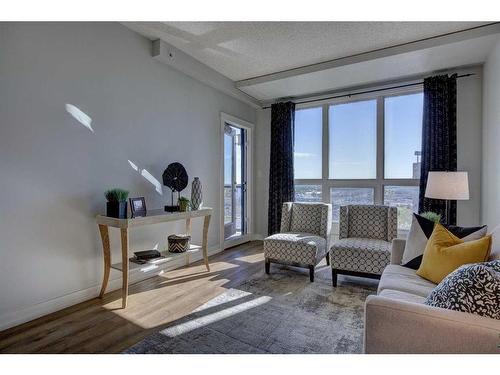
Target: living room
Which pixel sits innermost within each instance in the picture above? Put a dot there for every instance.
(291, 184)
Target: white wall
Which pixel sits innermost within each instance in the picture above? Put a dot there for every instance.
(491, 139)
(469, 120)
(469, 141)
(54, 171)
(262, 155)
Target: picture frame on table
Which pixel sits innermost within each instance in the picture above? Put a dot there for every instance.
(137, 206)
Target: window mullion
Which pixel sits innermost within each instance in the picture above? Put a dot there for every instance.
(325, 189)
(380, 151)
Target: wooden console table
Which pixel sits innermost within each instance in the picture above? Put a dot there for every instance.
(151, 217)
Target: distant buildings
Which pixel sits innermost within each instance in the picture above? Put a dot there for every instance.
(416, 166)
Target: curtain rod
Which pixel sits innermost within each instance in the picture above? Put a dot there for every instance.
(367, 91)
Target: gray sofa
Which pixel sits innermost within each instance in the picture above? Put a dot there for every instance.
(398, 321)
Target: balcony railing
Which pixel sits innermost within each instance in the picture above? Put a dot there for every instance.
(228, 205)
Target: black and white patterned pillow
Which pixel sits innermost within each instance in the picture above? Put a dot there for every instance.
(420, 231)
(472, 288)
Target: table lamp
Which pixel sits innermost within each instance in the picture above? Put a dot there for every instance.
(447, 186)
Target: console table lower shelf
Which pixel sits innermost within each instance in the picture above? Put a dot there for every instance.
(152, 217)
(159, 263)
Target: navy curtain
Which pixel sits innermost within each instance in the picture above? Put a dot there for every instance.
(281, 163)
(439, 138)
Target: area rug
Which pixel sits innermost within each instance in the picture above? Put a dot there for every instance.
(278, 313)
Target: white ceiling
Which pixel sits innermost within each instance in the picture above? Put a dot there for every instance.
(420, 62)
(241, 50)
(246, 50)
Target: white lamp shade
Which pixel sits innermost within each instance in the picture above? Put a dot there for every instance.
(447, 185)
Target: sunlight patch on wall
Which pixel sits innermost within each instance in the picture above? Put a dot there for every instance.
(147, 176)
(80, 116)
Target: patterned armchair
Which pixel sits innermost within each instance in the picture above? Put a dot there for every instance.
(303, 238)
(365, 237)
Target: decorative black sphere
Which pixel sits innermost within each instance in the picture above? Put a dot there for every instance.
(175, 177)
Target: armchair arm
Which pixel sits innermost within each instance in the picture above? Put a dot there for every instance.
(286, 216)
(344, 222)
(392, 223)
(398, 247)
(326, 221)
(395, 326)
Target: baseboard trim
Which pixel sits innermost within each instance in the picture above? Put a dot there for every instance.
(14, 318)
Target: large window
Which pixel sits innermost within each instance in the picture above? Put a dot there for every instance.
(403, 136)
(353, 140)
(405, 198)
(308, 193)
(371, 154)
(344, 196)
(307, 148)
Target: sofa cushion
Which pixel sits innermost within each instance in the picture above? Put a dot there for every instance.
(445, 252)
(402, 296)
(302, 248)
(360, 255)
(472, 288)
(404, 279)
(420, 231)
(495, 243)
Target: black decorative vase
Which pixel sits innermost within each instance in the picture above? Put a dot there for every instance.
(116, 209)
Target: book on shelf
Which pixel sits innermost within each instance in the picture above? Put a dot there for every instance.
(147, 257)
(156, 260)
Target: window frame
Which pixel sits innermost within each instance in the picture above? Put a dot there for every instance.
(379, 182)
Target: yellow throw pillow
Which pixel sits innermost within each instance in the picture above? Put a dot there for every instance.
(445, 252)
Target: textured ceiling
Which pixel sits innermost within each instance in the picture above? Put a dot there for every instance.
(241, 50)
(437, 59)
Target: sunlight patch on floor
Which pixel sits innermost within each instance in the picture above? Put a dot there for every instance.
(233, 295)
(254, 258)
(221, 266)
(188, 326)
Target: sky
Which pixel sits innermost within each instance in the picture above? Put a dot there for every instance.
(353, 145)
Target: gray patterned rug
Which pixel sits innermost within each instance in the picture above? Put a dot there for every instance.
(279, 313)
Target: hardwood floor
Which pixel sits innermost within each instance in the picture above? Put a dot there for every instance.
(101, 326)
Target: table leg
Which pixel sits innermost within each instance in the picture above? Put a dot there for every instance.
(124, 238)
(103, 229)
(188, 226)
(206, 223)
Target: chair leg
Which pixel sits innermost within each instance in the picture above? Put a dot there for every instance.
(311, 273)
(268, 266)
(334, 278)
(327, 259)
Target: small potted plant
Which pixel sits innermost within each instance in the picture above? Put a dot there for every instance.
(183, 204)
(432, 216)
(116, 206)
